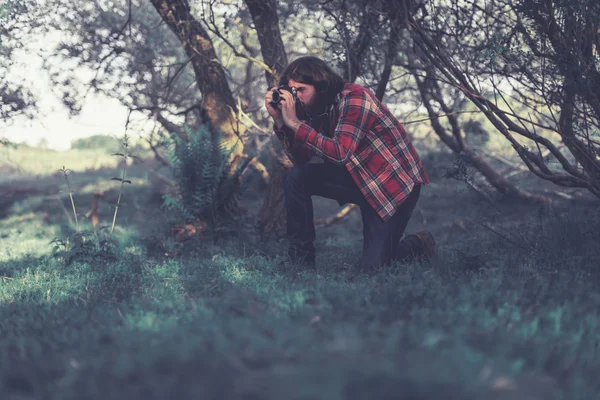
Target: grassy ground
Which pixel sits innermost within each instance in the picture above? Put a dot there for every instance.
(510, 310)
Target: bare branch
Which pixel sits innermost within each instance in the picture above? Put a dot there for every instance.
(214, 29)
(343, 213)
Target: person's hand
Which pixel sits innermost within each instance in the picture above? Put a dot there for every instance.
(287, 105)
(274, 112)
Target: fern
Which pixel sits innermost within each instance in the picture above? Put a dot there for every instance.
(208, 191)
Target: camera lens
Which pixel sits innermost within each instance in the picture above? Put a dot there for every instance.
(276, 97)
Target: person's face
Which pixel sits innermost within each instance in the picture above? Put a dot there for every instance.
(307, 94)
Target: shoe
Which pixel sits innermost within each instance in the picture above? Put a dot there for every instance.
(428, 246)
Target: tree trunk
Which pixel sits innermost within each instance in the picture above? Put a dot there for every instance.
(272, 218)
(500, 183)
(218, 105)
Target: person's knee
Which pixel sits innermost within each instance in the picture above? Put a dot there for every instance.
(295, 177)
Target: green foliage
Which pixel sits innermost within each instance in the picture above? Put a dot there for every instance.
(141, 325)
(96, 142)
(4, 9)
(475, 131)
(88, 245)
(208, 190)
(124, 156)
(487, 320)
(85, 246)
(462, 170)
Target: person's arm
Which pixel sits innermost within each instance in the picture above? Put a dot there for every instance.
(298, 154)
(356, 117)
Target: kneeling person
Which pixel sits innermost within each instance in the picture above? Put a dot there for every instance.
(369, 161)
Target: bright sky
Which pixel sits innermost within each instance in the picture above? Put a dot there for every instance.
(99, 115)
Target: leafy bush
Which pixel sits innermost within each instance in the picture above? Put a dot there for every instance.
(96, 142)
(86, 247)
(208, 184)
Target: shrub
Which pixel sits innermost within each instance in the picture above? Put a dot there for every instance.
(208, 183)
(96, 142)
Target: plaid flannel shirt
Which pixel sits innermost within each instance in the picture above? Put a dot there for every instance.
(369, 141)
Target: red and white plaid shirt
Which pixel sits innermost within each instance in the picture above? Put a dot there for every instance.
(369, 141)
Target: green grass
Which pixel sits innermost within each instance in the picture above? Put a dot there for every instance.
(490, 319)
(25, 160)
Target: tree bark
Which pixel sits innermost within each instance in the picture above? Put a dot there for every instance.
(218, 105)
(266, 22)
(272, 217)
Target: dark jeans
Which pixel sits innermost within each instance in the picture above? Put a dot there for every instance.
(381, 240)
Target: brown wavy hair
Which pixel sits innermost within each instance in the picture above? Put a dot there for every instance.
(314, 71)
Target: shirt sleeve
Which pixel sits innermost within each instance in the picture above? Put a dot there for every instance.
(297, 153)
(356, 117)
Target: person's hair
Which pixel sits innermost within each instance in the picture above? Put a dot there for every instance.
(314, 71)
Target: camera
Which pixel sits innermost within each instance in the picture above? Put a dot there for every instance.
(276, 99)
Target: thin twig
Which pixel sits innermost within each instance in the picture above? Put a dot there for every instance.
(215, 30)
(498, 233)
(336, 218)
